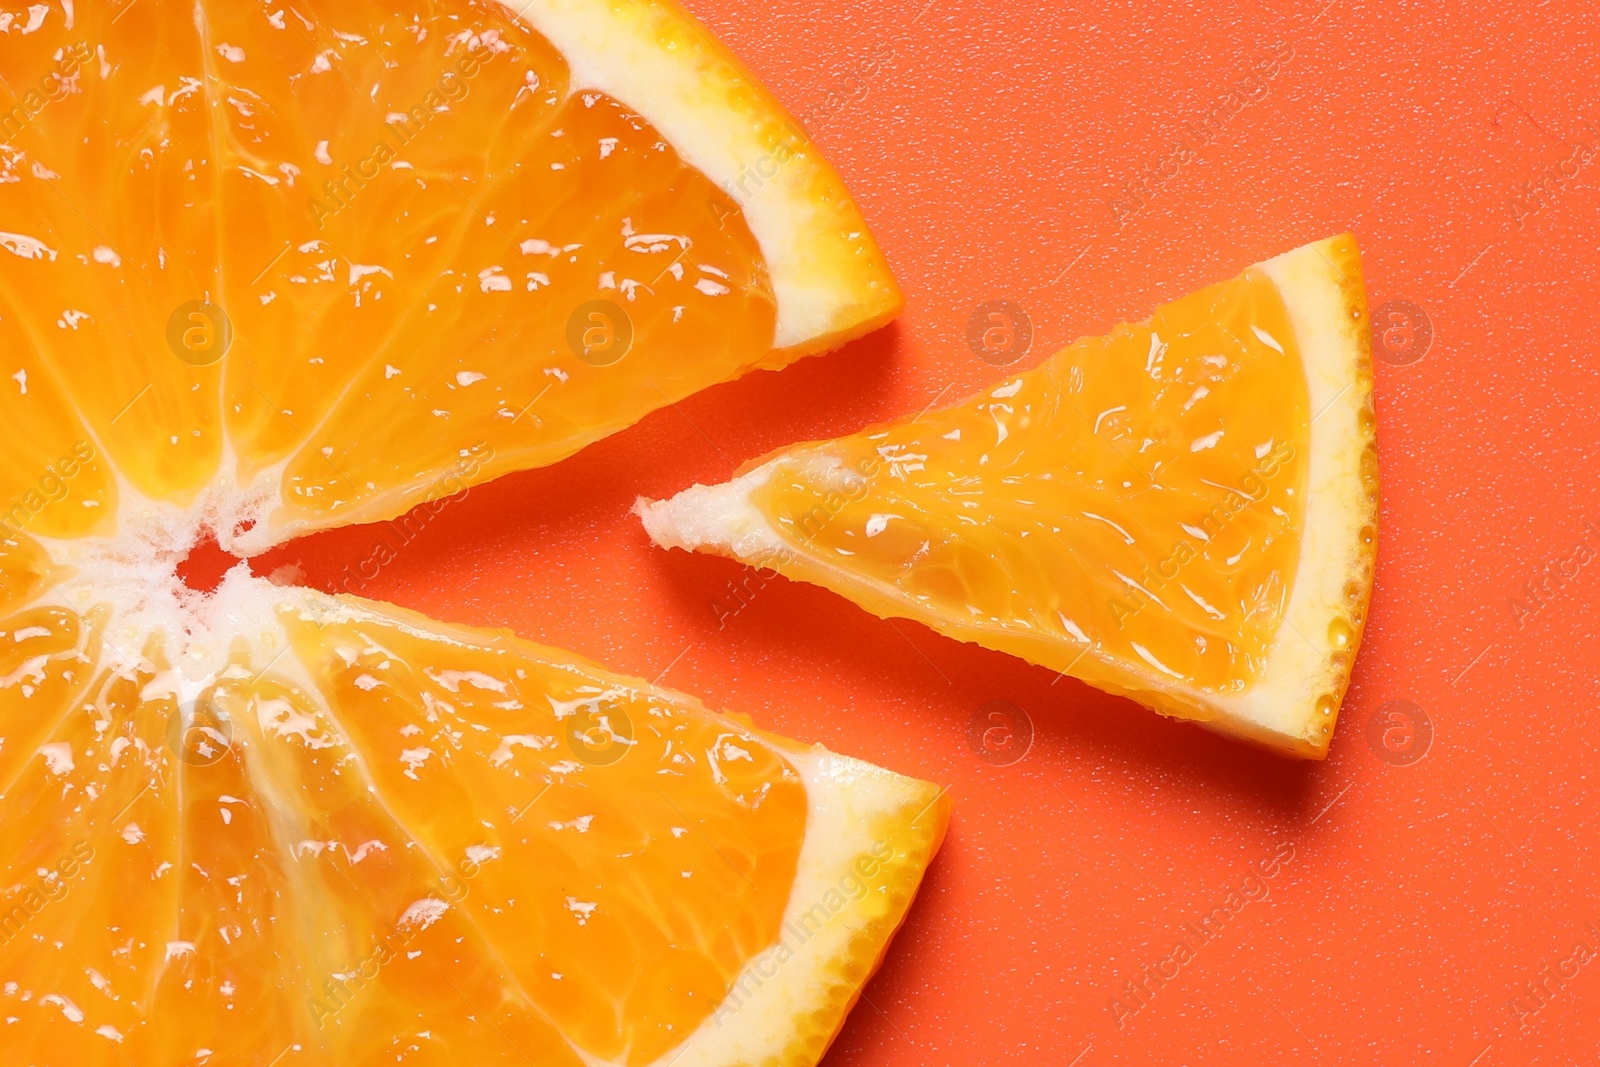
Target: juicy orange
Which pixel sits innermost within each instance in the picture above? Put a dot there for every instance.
(1183, 510)
(373, 839)
(269, 268)
(437, 240)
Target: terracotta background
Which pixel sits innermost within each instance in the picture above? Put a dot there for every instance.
(986, 143)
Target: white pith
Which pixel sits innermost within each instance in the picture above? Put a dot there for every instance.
(1282, 702)
(1280, 708)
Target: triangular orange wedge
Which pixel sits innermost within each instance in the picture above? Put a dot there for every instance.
(1183, 511)
(271, 268)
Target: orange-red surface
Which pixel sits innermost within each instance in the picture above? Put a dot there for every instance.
(1419, 911)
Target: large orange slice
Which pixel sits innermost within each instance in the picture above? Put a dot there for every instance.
(364, 838)
(270, 268)
(437, 240)
(1183, 511)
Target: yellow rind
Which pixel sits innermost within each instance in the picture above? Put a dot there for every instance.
(784, 1010)
(830, 278)
(1295, 701)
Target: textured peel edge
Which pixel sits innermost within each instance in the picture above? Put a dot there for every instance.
(870, 836)
(829, 276)
(1295, 702)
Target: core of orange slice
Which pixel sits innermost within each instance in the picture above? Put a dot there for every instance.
(295, 265)
(271, 268)
(1183, 511)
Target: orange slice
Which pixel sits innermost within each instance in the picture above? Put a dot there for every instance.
(1183, 511)
(271, 268)
(436, 241)
(367, 838)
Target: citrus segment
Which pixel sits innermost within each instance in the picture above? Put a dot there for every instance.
(500, 761)
(54, 482)
(1182, 510)
(350, 835)
(292, 266)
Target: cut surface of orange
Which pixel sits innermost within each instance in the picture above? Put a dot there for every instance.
(369, 838)
(269, 268)
(301, 265)
(1183, 511)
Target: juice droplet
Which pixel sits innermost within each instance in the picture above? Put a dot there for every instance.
(1369, 464)
(1327, 705)
(1340, 633)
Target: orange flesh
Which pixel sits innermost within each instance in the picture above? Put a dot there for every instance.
(378, 882)
(398, 208)
(190, 904)
(1090, 513)
(389, 842)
